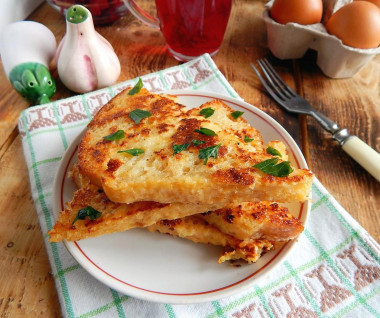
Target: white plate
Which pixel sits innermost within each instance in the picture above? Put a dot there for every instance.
(160, 268)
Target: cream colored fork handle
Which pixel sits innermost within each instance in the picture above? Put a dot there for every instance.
(363, 154)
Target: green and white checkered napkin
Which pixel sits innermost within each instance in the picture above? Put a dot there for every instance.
(334, 270)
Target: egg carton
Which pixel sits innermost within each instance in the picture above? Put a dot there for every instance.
(292, 40)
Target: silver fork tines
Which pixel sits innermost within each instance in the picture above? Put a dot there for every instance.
(287, 97)
(276, 81)
(292, 102)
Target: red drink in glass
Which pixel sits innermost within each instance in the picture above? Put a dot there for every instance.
(192, 28)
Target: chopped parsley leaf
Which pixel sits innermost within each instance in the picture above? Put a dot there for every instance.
(137, 114)
(207, 112)
(236, 114)
(179, 148)
(115, 136)
(197, 142)
(273, 151)
(270, 166)
(133, 152)
(87, 211)
(209, 152)
(136, 88)
(247, 139)
(205, 131)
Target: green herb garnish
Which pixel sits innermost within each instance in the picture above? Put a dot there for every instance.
(270, 166)
(134, 151)
(209, 152)
(179, 148)
(207, 112)
(273, 151)
(138, 114)
(236, 114)
(247, 139)
(197, 142)
(115, 136)
(205, 131)
(87, 211)
(136, 88)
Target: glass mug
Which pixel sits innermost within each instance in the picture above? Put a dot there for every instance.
(190, 27)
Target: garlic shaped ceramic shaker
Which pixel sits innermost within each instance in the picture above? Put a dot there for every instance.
(26, 50)
(85, 60)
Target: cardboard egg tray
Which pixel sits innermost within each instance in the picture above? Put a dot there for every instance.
(292, 40)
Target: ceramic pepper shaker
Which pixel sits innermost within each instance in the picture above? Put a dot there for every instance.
(85, 60)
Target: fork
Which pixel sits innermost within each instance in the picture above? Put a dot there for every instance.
(362, 153)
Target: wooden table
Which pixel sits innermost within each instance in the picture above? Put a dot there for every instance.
(26, 285)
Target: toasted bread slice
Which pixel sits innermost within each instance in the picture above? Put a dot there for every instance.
(198, 174)
(197, 230)
(262, 220)
(115, 217)
(256, 220)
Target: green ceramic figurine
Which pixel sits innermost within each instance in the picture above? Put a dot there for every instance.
(27, 49)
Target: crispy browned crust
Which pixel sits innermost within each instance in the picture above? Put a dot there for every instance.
(197, 230)
(249, 251)
(256, 220)
(158, 175)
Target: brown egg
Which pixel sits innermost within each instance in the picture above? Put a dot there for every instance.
(377, 2)
(298, 11)
(357, 24)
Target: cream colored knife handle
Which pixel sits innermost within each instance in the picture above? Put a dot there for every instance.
(363, 154)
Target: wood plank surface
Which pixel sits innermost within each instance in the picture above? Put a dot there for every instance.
(27, 287)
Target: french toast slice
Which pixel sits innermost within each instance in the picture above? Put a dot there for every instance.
(180, 155)
(243, 222)
(115, 217)
(199, 231)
